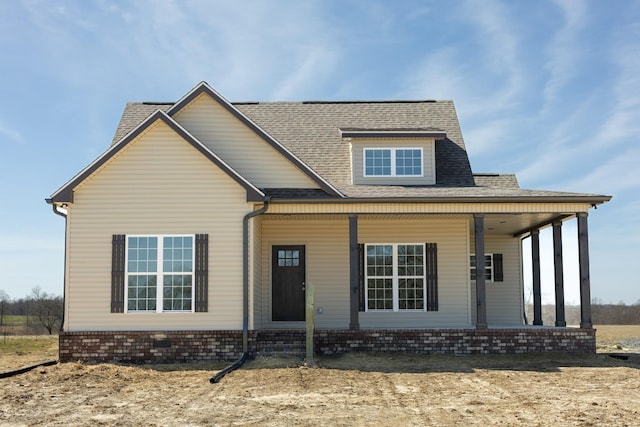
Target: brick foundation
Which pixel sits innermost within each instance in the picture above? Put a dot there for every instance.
(190, 346)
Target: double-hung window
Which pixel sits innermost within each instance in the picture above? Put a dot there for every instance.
(393, 162)
(395, 277)
(488, 267)
(160, 273)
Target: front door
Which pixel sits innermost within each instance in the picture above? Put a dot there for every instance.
(287, 289)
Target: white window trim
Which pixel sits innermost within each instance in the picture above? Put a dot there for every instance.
(395, 279)
(475, 268)
(393, 162)
(159, 274)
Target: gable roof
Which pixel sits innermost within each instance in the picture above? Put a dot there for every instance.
(312, 134)
(65, 193)
(204, 88)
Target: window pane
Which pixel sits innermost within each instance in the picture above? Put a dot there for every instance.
(177, 254)
(409, 162)
(177, 292)
(142, 254)
(411, 294)
(377, 162)
(380, 260)
(380, 293)
(141, 295)
(289, 258)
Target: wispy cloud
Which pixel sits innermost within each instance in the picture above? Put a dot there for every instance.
(9, 134)
(565, 51)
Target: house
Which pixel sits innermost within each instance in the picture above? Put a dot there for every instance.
(193, 236)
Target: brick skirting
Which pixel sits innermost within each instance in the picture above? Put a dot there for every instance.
(190, 346)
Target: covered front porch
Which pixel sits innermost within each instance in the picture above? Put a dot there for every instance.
(518, 226)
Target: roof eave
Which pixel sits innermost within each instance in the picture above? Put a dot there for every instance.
(588, 199)
(393, 134)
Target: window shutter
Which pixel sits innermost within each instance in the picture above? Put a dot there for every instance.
(361, 277)
(202, 273)
(431, 273)
(118, 248)
(498, 275)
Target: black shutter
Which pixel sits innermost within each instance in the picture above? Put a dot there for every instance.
(431, 273)
(498, 275)
(202, 273)
(361, 277)
(118, 248)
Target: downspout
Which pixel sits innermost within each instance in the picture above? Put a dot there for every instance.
(245, 292)
(64, 273)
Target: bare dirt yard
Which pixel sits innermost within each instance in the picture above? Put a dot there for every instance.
(352, 389)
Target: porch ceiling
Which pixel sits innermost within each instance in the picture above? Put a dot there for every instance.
(519, 224)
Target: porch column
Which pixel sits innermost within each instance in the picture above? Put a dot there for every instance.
(585, 281)
(559, 274)
(535, 266)
(481, 295)
(354, 273)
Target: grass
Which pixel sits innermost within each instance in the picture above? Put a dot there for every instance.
(14, 320)
(46, 345)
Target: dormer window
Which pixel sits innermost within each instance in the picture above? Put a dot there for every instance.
(380, 162)
(393, 156)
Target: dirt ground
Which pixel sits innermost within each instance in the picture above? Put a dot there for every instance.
(353, 389)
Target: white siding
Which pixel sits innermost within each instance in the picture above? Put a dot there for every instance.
(504, 299)
(239, 146)
(327, 261)
(158, 184)
(428, 160)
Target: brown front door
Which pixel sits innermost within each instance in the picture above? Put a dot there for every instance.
(287, 290)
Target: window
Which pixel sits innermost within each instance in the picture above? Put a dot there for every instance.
(395, 277)
(159, 273)
(288, 258)
(393, 162)
(488, 267)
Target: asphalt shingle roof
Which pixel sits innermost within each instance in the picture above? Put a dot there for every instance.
(311, 131)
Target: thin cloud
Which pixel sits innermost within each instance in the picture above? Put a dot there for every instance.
(565, 51)
(500, 51)
(613, 175)
(10, 134)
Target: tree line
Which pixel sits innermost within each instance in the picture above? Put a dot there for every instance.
(43, 313)
(601, 314)
(39, 313)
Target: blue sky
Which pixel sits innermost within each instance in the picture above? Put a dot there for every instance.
(549, 90)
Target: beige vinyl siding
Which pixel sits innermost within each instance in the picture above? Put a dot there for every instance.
(158, 184)
(239, 146)
(504, 299)
(428, 160)
(327, 266)
(255, 276)
(451, 237)
(327, 262)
